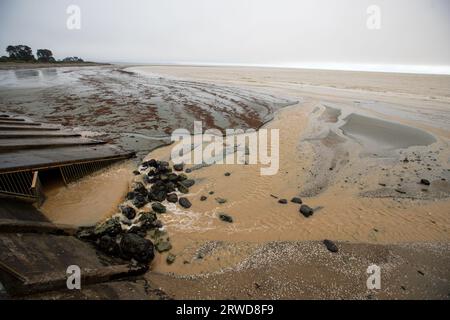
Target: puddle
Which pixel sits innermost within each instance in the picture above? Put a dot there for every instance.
(377, 135)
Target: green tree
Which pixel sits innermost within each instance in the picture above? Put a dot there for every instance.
(20, 52)
(44, 55)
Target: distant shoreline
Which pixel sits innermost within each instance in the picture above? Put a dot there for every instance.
(37, 65)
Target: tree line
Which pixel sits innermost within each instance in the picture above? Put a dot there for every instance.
(23, 53)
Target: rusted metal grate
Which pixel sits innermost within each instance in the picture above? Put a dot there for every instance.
(26, 185)
(76, 171)
(21, 184)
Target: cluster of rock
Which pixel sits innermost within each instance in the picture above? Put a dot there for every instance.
(126, 234)
(304, 209)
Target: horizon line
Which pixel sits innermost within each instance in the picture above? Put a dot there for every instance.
(355, 67)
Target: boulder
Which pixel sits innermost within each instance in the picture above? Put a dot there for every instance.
(163, 245)
(188, 183)
(139, 188)
(425, 182)
(133, 246)
(108, 244)
(178, 167)
(130, 195)
(182, 188)
(86, 233)
(147, 219)
(227, 174)
(296, 200)
(158, 207)
(306, 210)
(170, 258)
(282, 201)
(225, 217)
(172, 197)
(110, 227)
(203, 198)
(184, 202)
(159, 196)
(139, 201)
(128, 212)
(331, 246)
(221, 200)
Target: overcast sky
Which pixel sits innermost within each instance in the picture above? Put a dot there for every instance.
(263, 32)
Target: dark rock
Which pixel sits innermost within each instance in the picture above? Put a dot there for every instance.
(178, 167)
(158, 207)
(221, 200)
(172, 197)
(170, 258)
(182, 188)
(128, 212)
(188, 183)
(136, 229)
(225, 217)
(162, 164)
(182, 177)
(425, 182)
(306, 210)
(203, 198)
(227, 174)
(172, 177)
(133, 246)
(159, 196)
(136, 173)
(331, 246)
(108, 244)
(211, 192)
(147, 219)
(110, 227)
(86, 233)
(188, 170)
(170, 186)
(282, 201)
(139, 201)
(184, 202)
(163, 245)
(130, 195)
(139, 188)
(150, 163)
(296, 200)
(158, 224)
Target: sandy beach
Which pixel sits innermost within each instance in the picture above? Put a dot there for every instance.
(356, 147)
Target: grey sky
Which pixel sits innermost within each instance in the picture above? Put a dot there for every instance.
(272, 32)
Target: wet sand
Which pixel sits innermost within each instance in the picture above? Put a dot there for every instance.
(335, 152)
